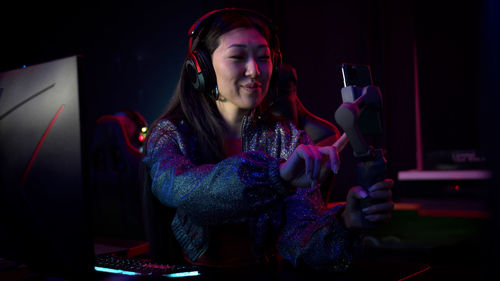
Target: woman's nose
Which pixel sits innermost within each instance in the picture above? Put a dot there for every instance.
(252, 68)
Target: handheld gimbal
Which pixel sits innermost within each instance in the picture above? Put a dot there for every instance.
(371, 165)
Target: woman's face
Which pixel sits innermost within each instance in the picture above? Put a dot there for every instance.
(243, 67)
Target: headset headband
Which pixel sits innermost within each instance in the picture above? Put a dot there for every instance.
(196, 28)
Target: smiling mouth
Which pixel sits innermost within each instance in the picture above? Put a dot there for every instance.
(252, 86)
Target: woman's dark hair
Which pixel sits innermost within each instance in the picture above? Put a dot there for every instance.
(199, 109)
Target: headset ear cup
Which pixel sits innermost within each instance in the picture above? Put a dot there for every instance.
(277, 59)
(208, 71)
(194, 72)
(200, 71)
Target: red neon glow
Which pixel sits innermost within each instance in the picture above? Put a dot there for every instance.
(415, 274)
(39, 145)
(454, 213)
(142, 138)
(418, 124)
(129, 145)
(457, 187)
(138, 250)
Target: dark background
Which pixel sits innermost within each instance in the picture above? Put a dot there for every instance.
(133, 53)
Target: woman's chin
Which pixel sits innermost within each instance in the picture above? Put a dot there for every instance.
(251, 104)
(253, 100)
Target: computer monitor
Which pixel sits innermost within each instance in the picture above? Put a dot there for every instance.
(43, 217)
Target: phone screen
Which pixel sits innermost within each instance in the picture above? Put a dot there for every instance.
(359, 75)
(356, 75)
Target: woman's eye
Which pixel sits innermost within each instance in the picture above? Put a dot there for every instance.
(264, 58)
(237, 57)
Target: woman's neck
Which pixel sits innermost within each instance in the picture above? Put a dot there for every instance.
(233, 117)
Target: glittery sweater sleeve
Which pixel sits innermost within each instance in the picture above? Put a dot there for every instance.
(314, 235)
(228, 191)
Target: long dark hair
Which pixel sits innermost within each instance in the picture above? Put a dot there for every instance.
(199, 109)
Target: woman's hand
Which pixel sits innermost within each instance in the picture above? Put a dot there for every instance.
(378, 212)
(309, 164)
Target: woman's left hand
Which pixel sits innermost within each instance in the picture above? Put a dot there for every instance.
(379, 212)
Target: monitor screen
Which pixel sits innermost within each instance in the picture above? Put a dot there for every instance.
(42, 201)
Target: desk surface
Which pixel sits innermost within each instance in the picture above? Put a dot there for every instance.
(443, 175)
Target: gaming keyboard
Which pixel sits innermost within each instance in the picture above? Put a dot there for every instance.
(143, 267)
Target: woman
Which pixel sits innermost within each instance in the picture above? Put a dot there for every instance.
(244, 183)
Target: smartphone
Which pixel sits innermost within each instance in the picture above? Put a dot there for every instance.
(356, 75)
(360, 75)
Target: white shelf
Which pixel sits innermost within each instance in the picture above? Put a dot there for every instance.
(426, 175)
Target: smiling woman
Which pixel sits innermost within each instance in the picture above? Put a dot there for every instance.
(243, 183)
(243, 67)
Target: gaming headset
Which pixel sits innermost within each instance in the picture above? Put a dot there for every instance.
(198, 63)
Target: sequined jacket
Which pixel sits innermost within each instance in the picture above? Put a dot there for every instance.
(246, 188)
